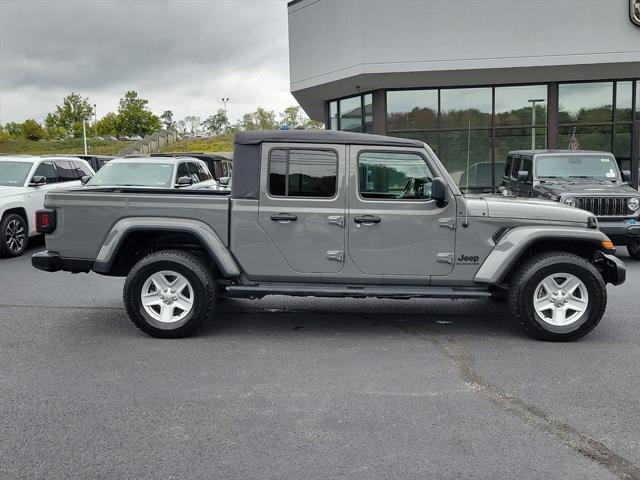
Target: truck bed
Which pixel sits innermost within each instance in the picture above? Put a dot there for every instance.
(86, 216)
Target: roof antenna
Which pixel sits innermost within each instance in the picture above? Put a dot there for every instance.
(465, 224)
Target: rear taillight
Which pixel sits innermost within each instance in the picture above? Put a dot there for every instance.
(45, 220)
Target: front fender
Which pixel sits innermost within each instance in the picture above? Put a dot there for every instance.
(200, 230)
(516, 241)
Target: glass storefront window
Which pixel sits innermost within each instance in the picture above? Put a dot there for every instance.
(367, 100)
(412, 109)
(453, 154)
(585, 102)
(430, 138)
(351, 114)
(624, 97)
(595, 137)
(458, 106)
(508, 139)
(333, 115)
(513, 105)
(622, 142)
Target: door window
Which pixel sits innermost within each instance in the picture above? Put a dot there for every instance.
(203, 172)
(81, 169)
(527, 167)
(47, 170)
(394, 176)
(303, 173)
(66, 172)
(183, 171)
(516, 167)
(507, 166)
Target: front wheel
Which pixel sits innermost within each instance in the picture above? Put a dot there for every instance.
(558, 296)
(169, 294)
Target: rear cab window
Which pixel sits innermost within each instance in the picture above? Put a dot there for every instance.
(303, 173)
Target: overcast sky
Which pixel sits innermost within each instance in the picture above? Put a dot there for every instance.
(181, 55)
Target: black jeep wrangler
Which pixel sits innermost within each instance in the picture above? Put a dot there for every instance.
(584, 179)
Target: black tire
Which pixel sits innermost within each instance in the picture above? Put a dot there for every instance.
(526, 280)
(13, 228)
(186, 264)
(634, 251)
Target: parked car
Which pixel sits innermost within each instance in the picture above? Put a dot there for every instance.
(215, 162)
(96, 161)
(337, 214)
(135, 137)
(24, 180)
(165, 172)
(588, 180)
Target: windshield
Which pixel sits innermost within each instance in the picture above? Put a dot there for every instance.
(577, 166)
(157, 175)
(14, 174)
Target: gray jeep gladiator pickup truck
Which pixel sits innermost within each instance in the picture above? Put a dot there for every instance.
(332, 214)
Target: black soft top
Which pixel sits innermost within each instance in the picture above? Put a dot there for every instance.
(255, 137)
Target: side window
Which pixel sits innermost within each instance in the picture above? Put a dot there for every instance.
(303, 173)
(394, 176)
(183, 171)
(194, 171)
(81, 169)
(47, 170)
(66, 171)
(203, 172)
(527, 166)
(516, 167)
(507, 166)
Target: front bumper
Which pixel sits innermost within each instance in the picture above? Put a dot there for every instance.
(52, 262)
(612, 268)
(621, 232)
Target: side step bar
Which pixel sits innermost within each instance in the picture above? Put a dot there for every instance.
(367, 291)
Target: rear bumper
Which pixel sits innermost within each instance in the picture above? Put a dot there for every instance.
(52, 262)
(612, 269)
(621, 232)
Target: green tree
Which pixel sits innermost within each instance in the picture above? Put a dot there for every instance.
(218, 123)
(291, 117)
(70, 114)
(33, 130)
(192, 123)
(260, 119)
(134, 117)
(167, 119)
(107, 124)
(14, 129)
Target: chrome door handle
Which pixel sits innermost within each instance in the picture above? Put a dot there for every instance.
(367, 219)
(284, 217)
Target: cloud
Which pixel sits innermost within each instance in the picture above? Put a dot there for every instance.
(182, 55)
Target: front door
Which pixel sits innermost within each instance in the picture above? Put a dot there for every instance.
(302, 206)
(394, 227)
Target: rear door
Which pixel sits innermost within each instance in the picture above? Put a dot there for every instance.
(302, 204)
(394, 226)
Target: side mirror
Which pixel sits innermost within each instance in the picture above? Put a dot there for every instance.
(523, 175)
(85, 179)
(38, 181)
(184, 181)
(439, 191)
(223, 180)
(626, 176)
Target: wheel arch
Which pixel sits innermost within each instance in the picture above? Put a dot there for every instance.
(130, 239)
(521, 243)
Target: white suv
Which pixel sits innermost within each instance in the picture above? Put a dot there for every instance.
(24, 180)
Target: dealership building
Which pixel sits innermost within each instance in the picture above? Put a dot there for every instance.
(509, 74)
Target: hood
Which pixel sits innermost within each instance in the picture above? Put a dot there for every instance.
(6, 191)
(497, 206)
(585, 189)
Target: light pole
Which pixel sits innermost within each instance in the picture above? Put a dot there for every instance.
(95, 120)
(224, 103)
(533, 102)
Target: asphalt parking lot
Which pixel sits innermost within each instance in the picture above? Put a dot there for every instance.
(309, 388)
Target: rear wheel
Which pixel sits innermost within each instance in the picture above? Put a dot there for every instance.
(169, 294)
(634, 251)
(14, 235)
(558, 296)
